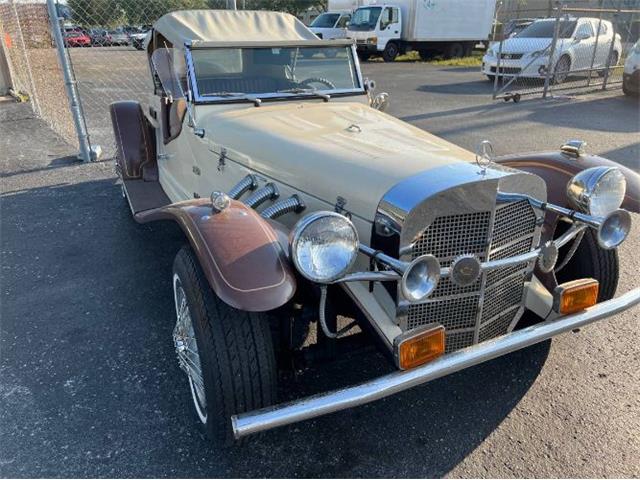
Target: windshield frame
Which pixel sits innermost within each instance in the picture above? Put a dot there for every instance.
(197, 98)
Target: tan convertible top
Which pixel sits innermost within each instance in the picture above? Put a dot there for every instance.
(231, 26)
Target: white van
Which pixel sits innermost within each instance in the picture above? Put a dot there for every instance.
(330, 25)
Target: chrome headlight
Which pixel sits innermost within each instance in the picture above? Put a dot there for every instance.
(324, 246)
(597, 191)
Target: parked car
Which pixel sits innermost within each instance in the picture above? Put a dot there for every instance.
(100, 37)
(301, 202)
(515, 26)
(76, 37)
(527, 54)
(137, 38)
(119, 37)
(330, 25)
(631, 75)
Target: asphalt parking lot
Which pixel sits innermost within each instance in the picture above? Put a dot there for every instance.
(89, 383)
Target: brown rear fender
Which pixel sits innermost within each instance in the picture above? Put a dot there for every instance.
(239, 251)
(135, 142)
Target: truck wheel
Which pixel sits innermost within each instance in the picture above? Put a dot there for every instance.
(364, 56)
(390, 52)
(454, 50)
(491, 78)
(226, 353)
(591, 261)
(468, 48)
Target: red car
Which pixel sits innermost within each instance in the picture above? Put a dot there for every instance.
(77, 38)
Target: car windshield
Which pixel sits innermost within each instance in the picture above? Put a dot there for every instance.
(546, 28)
(365, 18)
(326, 20)
(274, 72)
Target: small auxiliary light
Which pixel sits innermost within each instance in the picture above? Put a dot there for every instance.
(574, 296)
(420, 347)
(219, 201)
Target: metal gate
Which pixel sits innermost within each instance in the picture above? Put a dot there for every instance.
(572, 47)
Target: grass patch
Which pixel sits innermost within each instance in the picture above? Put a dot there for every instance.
(474, 60)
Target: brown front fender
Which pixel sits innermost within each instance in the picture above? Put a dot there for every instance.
(238, 250)
(556, 169)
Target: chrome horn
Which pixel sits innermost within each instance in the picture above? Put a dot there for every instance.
(420, 277)
(612, 229)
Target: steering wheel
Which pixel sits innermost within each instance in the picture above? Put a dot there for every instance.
(307, 81)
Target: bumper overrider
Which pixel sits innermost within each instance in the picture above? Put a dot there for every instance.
(445, 280)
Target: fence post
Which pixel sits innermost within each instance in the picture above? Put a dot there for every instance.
(613, 42)
(552, 50)
(70, 84)
(497, 73)
(595, 47)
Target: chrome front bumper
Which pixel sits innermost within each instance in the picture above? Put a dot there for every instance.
(303, 409)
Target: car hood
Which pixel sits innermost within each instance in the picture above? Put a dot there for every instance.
(331, 149)
(529, 45)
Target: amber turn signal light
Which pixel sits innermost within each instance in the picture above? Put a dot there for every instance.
(574, 296)
(420, 347)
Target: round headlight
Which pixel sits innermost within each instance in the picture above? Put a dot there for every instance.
(324, 246)
(597, 191)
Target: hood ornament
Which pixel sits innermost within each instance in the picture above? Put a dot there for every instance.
(484, 156)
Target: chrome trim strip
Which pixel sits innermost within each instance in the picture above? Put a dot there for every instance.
(398, 266)
(314, 406)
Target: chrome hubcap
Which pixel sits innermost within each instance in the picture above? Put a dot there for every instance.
(184, 340)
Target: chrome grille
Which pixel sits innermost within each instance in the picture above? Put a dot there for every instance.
(468, 318)
(453, 235)
(453, 314)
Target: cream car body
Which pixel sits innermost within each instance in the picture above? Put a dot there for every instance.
(301, 200)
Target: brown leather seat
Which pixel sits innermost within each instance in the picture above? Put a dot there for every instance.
(176, 117)
(173, 119)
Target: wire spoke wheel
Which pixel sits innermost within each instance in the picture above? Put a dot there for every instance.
(184, 340)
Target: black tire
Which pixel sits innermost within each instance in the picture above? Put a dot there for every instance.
(559, 72)
(491, 78)
(235, 350)
(468, 48)
(614, 61)
(454, 50)
(591, 261)
(390, 52)
(364, 56)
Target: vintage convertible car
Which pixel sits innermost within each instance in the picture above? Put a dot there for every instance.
(316, 224)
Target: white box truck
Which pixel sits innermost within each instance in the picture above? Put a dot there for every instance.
(393, 27)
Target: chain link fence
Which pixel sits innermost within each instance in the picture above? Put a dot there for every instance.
(569, 46)
(34, 71)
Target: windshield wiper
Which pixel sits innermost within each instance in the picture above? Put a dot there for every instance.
(238, 95)
(311, 91)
